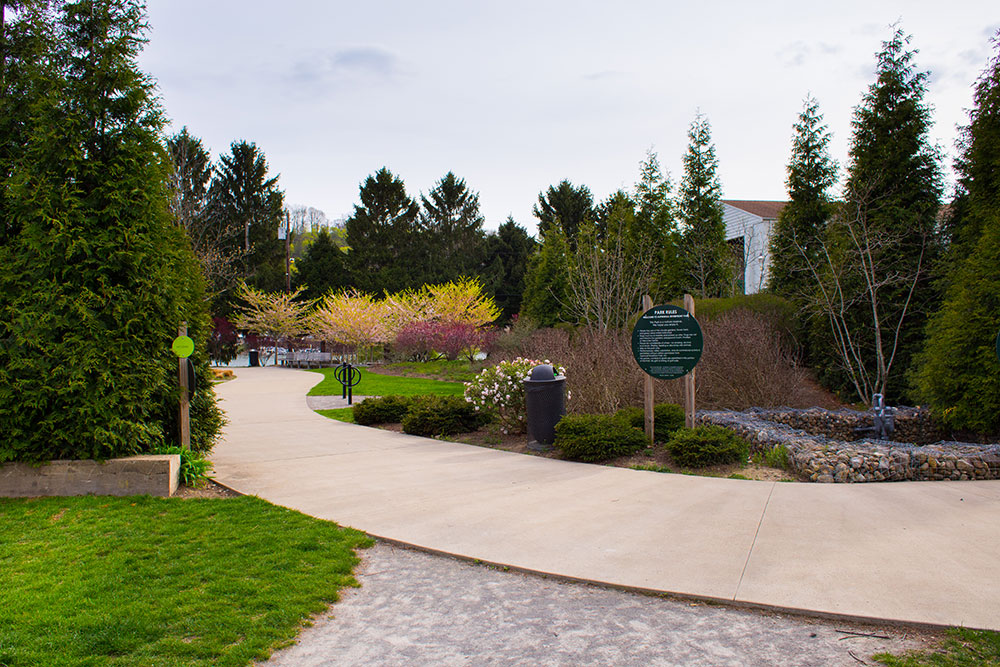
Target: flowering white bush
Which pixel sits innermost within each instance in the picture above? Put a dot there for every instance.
(500, 391)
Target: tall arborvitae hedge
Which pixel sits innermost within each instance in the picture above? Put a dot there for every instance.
(958, 372)
(96, 277)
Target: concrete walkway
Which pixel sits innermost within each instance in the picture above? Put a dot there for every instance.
(922, 552)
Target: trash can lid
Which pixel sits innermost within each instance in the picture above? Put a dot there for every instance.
(543, 373)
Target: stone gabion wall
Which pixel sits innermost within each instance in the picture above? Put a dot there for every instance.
(821, 458)
(913, 425)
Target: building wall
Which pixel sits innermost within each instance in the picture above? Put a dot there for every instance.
(756, 234)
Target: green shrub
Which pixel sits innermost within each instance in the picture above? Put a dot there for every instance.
(384, 410)
(777, 457)
(194, 467)
(707, 445)
(667, 418)
(441, 415)
(597, 437)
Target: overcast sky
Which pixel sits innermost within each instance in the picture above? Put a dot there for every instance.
(515, 96)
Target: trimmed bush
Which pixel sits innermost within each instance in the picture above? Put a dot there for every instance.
(384, 410)
(441, 415)
(707, 445)
(597, 437)
(667, 418)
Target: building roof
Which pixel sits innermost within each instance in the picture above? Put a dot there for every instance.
(768, 210)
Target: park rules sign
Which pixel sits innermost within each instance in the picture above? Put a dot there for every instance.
(667, 342)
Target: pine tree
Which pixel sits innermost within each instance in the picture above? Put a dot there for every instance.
(565, 207)
(882, 241)
(655, 222)
(386, 253)
(705, 261)
(795, 242)
(957, 373)
(452, 229)
(546, 290)
(245, 210)
(322, 269)
(189, 182)
(96, 277)
(507, 255)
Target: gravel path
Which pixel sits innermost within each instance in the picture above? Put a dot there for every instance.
(415, 608)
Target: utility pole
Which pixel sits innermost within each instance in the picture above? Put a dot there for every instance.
(288, 253)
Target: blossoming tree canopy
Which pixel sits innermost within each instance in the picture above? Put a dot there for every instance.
(278, 315)
(351, 317)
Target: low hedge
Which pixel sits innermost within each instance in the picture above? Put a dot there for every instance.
(707, 445)
(441, 415)
(667, 418)
(384, 410)
(593, 438)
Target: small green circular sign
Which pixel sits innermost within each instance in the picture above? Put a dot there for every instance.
(667, 342)
(183, 346)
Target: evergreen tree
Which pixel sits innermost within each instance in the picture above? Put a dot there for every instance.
(96, 277)
(28, 76)
(958, 374)
(565, 207)
(385, 247)
(705, 261)
(615, 216)
(883, 243)
(189, 182)
(546, 290)
(322, 269)
(245, 209)
(796, 240)
(507, 255)
(655, 220)
(654, 212)
(452, 230)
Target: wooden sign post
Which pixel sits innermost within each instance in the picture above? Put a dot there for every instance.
(183, 347)
(689, 385)
(647, 387)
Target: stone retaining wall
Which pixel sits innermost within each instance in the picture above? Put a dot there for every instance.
(155, 475)
(912, 425)
(820, 458)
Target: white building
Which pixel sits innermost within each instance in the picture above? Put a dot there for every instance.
(748, 230)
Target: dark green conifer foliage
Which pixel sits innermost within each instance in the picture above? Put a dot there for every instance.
(655, 221)
(189, 182)
(386, 253)
(507, 255)
(245, 208)
(958, 374)
(322, 269)
(452, 230)
(565, 207)
(705, 261)
(96, 277)
(547, 281)
(892, 197)
(796, 240)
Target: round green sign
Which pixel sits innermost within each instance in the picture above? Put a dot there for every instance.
(183, 346)
(667, 342)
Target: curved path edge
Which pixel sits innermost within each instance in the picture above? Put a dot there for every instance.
(924, 553)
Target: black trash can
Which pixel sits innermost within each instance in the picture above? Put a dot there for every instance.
(254, 358)
(545, 405)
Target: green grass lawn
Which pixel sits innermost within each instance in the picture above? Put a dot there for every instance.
(458, 370)
(155, 581)
(340, 414)
(963, 648)
(373, 384)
